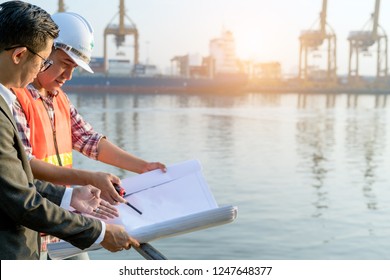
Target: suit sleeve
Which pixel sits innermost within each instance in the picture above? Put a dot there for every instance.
(52, 192)
(21, 203)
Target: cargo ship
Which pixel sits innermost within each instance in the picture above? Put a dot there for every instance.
(233, 83)
(220, 71)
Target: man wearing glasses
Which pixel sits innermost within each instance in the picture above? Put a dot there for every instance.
(46, 63)
(43, 111)
(26, 38)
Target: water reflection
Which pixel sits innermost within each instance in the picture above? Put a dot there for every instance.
(356, 100)
(352, 100)
(381, 101)
(105, 115)
(135, 122)
(315, 140)
(364, 142)
(329, 102)
(220, 136)
(290, 161)
(365, 138)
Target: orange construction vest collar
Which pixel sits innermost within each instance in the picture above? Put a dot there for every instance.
(42, 138)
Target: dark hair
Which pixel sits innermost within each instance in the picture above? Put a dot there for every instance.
(24, 24)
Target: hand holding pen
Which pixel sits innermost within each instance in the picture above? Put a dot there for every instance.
(121, 191)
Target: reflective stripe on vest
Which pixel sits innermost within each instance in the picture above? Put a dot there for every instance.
(41, 133)
(66, 159)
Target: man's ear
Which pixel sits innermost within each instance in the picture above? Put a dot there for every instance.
(18, 54)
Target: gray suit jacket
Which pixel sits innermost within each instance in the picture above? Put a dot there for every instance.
(27, 208)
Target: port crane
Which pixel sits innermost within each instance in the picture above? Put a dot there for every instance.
(361, 41)
(310, 42)
(120, 31)
(61, 6)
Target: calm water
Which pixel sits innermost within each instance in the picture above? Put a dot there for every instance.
(309, 173)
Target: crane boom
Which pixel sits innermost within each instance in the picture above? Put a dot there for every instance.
(122, 16)
(323, 17)
(120, 32)
(311, 40)
(360, 42)
(61, 6)
(375, 20)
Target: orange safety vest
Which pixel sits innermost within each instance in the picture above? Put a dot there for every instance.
(41, 133)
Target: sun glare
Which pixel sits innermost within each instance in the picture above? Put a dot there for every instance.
(248, 47)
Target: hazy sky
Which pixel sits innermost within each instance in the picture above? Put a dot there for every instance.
(265, 30)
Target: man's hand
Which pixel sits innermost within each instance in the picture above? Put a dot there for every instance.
(86, 199)
(117, 239)
(154, 165)
(104, 182)
(105, 211)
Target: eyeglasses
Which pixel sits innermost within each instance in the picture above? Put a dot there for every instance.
(46, 63)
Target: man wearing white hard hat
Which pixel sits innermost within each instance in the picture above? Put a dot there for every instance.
(50, 126)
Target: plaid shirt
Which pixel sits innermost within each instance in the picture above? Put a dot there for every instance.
(84, 138)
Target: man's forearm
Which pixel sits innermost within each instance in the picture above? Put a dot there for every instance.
(111, 154)
(59, 175)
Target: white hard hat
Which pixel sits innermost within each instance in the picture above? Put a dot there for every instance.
(75, 38)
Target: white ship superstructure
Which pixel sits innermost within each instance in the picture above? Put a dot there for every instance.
(223, 52)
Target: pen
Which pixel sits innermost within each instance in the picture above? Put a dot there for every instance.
(122, 193)
(135, 209)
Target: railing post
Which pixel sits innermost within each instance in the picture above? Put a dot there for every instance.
(149, 252)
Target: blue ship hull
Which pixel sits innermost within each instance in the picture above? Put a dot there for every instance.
(221, 83)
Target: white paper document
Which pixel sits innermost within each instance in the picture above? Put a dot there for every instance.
(171, 203)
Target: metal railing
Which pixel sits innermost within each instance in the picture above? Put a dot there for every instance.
(149, 252)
